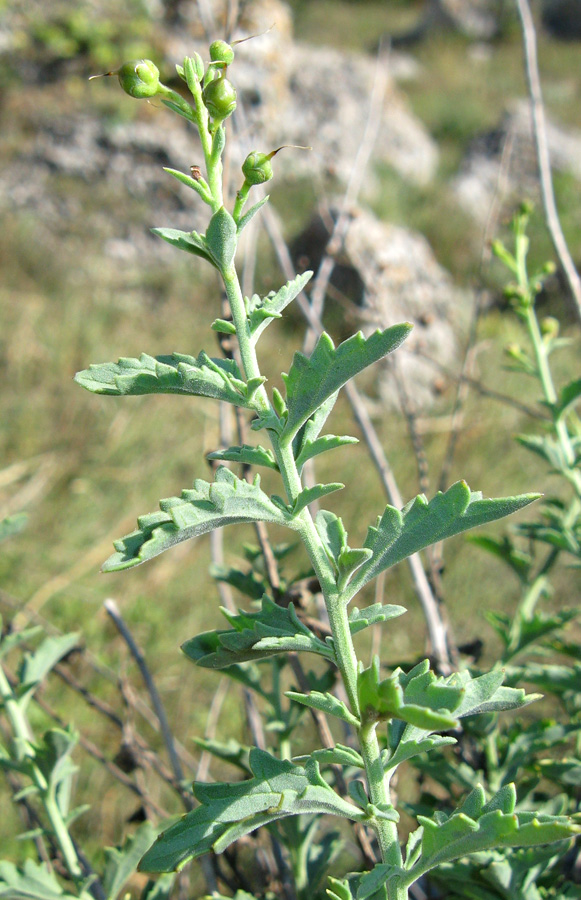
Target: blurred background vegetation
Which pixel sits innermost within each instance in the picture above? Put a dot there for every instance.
(84, 467)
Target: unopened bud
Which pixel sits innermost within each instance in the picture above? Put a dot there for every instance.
(139, 78)
(221, 52)
(219, 98)
(550, 327)
(257, 168)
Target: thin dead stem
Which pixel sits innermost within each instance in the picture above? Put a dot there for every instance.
(543, 157)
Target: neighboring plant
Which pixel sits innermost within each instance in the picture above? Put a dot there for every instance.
(419, 709)
(530, 638)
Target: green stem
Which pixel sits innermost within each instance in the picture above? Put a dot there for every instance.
(23, 738)
(241, 198)
(345, 655)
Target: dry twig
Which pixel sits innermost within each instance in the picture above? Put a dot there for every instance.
(542, 150)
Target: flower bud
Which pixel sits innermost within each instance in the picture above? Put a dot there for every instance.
(221, 52)
(139, 78)
(219, 98)
(550, 327)
(257, 168)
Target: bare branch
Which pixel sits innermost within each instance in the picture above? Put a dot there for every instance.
(542, 149)
(168, 739)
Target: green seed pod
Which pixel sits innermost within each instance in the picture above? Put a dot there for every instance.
(219, 98)
(221, 52)
(139, 78)
(257, 167)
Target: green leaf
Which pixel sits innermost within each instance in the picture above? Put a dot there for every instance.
(326, 703)
(398, 535)
(332, 533)
(52, 756)
(181, 111)
(547, 447)
(339, 755)
(190, 182)
(349, 561)
(227, 812)
(261, 311)
(174, 374)
(246, 456)
(475, 696)
(121, 863)
(312, 380)
(35, 666)
(503, 548)
(258, 635)
(310, 449)
(373, 615)
(497, 826)
(311, 494)
(190, 241)
(223, 326)
(230, 751)
(249, 583)
(425, 701)
(228, 501)
(410, 748)
(32, 882)
(250, 213)
(569, 395)
(221, 238)
(475, 827)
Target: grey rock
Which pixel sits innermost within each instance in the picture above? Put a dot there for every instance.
(504, 161)
(390, 275)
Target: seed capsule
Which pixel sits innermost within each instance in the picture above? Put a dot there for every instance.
(219, 98)
(257, 168)
(221, 52)
(139, 78)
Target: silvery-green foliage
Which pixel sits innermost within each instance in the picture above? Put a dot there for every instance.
(418, 707)
(390, 715)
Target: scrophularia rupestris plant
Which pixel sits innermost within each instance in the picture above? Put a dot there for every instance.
(418, 708)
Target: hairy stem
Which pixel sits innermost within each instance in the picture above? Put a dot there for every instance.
(336, 606)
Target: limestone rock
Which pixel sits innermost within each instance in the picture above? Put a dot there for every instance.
(478, 180)
(391, 274)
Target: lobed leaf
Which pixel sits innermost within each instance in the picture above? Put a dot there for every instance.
(475, 827)
(475, 696)
(258, 635)
(398, 535)
(262, 311)
(227, 812)
(227, 501)
(312, 380)
(177, 373)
